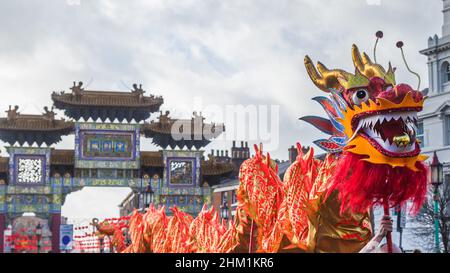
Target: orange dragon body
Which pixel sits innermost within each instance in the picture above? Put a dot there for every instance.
(322, 205)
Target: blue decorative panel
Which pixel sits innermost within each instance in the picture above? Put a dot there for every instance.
(181, 186)
(182, 168)
(75, 182)
(181, 171)
(107, 146)
(28, 167)
(30, 170)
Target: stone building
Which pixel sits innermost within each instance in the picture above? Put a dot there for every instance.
(434, 120)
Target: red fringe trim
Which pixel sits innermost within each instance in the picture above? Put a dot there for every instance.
(362, 184)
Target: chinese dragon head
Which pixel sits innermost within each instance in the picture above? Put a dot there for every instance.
(373, 126)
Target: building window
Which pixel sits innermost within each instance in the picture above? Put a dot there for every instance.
(420, 133)
(447, 129)
(233, 197)
(445, 69)
(447, 72)
(447, 178)
(224, 197)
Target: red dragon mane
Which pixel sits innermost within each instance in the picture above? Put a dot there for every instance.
(362, 184)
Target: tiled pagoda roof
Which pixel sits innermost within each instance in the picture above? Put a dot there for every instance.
(33, 128)
(168, 132)
(81, 103)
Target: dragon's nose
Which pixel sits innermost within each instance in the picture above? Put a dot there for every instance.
(398, 93)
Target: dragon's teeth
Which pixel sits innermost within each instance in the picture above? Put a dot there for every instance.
(393, 146)
(386, 143)
(379, 119)
(360, 125)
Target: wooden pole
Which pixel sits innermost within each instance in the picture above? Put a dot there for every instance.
(251, 242)
(388, 235)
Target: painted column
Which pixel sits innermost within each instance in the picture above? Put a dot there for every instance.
(55, 212)
(55, 228)
(437, 76)
(2, 231)
(3, 213)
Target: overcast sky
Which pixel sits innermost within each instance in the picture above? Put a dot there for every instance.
(224, 52)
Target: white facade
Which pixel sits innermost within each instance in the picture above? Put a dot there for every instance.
(434, 120)
(435, 117)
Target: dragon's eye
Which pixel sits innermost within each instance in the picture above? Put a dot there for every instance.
(360, 96)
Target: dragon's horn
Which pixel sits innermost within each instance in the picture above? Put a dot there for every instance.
(357, 60)
(323, 77)
(313, 74)
(369, 69)
(364, 64)
(322, 68)
(366, 59)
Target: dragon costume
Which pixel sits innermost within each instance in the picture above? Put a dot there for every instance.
(322, 205)
(374, 159)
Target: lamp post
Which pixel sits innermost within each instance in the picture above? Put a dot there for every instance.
(39, 236)
(224, 211)
(148, 196)
(126, 235)
(437, 173)
(100, 239)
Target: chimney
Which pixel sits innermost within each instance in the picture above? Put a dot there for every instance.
(242, 144)
(217, 153)
(234, 143)
(293, 153)
(226, 153)
(212, 151)
(246, 144)
(221, 153)
(305, 149)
